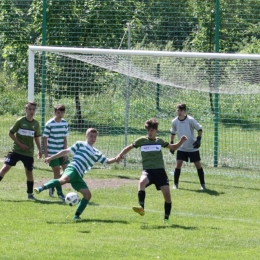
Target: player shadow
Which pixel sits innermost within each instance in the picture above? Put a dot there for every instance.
(36, 201)
(163, 226)
(207, 191)
(107, 221)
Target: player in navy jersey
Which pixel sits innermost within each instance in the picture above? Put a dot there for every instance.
(85, 155)
(184, 124)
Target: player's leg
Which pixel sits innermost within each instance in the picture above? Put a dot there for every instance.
(83, 202)
(200, 172)
(143, 182)
(180, 157)
(195, 158)
(54, 183)
(56, 175)
(80, 185)
(4, 170)
(10, 161)
(167, 202)
(28, 167)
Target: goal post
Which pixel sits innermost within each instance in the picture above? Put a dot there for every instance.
(103, 87)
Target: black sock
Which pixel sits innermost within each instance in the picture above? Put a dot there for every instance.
(1, 178)
(201, 175)
(167, 210)
(30, 187)
(77, 213)
(141, 198)
(177, 174)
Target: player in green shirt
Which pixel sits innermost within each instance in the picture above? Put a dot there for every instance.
(24, 133)
(153, 165)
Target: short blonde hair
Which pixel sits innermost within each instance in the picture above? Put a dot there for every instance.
(30, 103)
(91, 130)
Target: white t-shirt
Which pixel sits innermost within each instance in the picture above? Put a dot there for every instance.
(186, 127)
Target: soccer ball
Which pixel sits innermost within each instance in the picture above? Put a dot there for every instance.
(72, 199)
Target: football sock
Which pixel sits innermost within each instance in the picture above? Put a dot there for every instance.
(177, 174)
(30, 187)
(52, 184)
(167, 210)
(201, 175)
(1, 178)
(59, 190)
(81, 207)
(141, 198)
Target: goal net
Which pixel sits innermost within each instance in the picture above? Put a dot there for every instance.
(116, 91)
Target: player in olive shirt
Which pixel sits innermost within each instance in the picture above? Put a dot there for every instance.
(153, 165)
(25, 131)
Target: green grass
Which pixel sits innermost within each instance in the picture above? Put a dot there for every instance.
(221, 223)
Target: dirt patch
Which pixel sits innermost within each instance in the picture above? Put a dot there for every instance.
(94, 184)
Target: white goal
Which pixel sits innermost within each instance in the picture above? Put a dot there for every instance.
(118, 90)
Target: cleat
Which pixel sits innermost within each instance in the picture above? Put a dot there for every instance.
(203, 187)
(175, 186)
(31, 197)
(76, 218)
(166, 222)
(38, 190)
(62, 197)
(139, 210)
(51, 192)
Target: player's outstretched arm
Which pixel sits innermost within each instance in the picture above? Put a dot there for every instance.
(57, 155)
(120, 156)
(178, 144)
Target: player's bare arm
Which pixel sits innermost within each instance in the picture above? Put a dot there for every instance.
(124, 151)
(45, 146)
(14, 138)
(57, 155)
(178, 144)
(38, 144)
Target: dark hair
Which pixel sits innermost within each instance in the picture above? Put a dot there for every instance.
(59, 108)
(30, 103)
(151, 123)
(181, 106)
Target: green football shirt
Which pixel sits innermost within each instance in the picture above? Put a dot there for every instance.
(25, 132)
(151, 152)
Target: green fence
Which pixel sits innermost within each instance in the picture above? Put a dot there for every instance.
(202, 26)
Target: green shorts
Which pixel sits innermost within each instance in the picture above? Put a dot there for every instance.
(59, 162)
(76, 181)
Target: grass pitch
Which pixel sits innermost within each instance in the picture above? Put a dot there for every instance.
(220, 223)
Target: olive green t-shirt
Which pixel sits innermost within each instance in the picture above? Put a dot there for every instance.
(151, 152)
(25, 132)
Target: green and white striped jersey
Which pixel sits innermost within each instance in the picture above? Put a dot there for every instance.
(55, 132)
(84, 157)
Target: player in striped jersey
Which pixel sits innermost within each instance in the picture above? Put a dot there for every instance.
(85, 155)
(24, 133)
(54, 140)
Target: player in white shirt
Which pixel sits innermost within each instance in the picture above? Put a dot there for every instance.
(184, 124)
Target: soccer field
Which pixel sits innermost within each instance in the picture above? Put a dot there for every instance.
(220, 223)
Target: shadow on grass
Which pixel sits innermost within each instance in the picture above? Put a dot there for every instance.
(175, 226)
(37, 201)
(107, 221)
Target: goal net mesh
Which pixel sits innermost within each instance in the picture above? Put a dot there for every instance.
(118, 93)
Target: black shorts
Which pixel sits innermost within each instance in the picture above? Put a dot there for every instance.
(12, 158)
(185, 156)
(158, 177)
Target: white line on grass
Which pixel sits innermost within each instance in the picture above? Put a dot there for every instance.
(190, 215)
